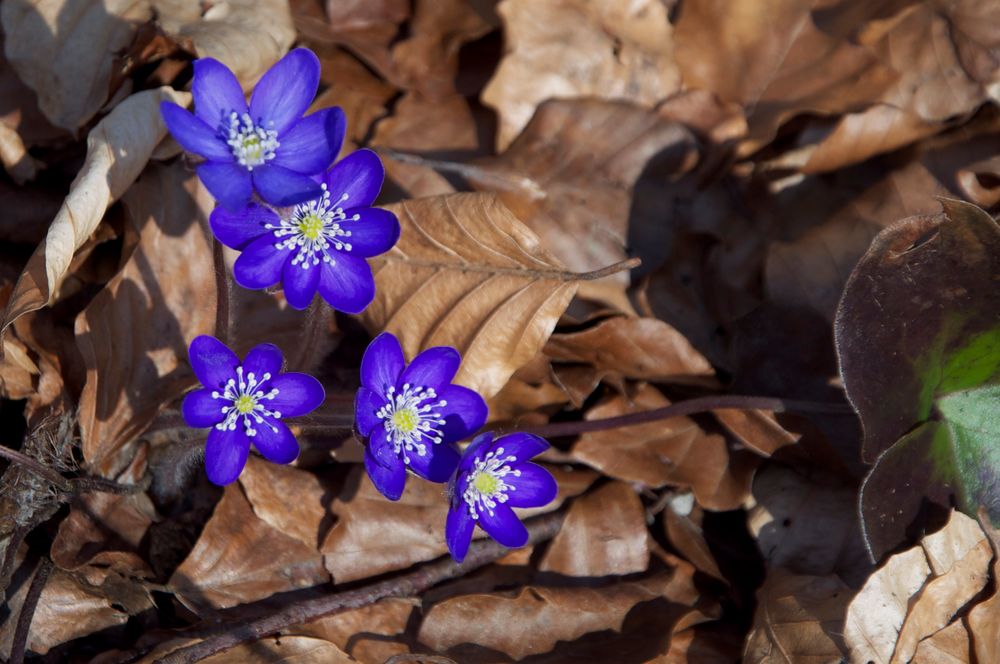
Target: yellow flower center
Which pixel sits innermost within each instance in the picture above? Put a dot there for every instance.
(311, 226)
(405, 420)
(485, 484)
(244, 404)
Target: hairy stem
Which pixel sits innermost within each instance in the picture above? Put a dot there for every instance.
(21, 631)
(686, 407)
(481, 553)
(223, 318)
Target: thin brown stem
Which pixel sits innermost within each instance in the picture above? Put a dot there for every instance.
(620, 266)
(21, 631)
(481, 553)
(36, 467)
(687, 407)
(223, 318)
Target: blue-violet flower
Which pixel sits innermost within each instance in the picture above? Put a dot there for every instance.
(411, 416)
(492, 477)
(267, 146)
(244, 403)
(320, 244)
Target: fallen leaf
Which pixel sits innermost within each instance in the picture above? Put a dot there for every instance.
(14, 156)
(370, 634)
(117, 150)
(284, 650)
(132, 371)
(288, 499)
(352, 87)
(798, 619)
(604, 534)
(948, 646)
(579, 48)
(239, 558)
(467, 274)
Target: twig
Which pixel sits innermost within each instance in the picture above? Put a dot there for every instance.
(620, 266)
(36, 467)
(223, 320)
(480, 553)
(687, 407)
(20, 642)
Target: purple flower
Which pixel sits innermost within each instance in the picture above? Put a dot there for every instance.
(492, 477)
(411, 416)
(320, 244)
(244, 403)
(267, 146)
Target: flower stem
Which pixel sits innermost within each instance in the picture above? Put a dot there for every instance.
(481, 553)
(223, 318)
(24, 618)
(687, 407)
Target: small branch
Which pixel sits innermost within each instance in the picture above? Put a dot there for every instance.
(36, 467)
(620, 266)
(20, 642)
(481, 553)
(223, 319)
(687, 407)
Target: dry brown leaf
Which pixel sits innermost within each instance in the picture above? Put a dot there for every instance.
(949, 646)
(570, 175)
(366, 27)
(357, 546)
(771, 57)
(283, 650)
(117, 150)
(580, 48)
(14, 156)
(798, 619)
(286, 498)
(641, 348)
(674, 452)
(133, 370)
(248, 36)
(535, 619)
(370, 634)
(239, 558)
(682, 523)
(466, 273)
(808, 524)
(65, 50)
(350, 85)
(916, 593)
(984, 618)
(604, 534)
(529, 390)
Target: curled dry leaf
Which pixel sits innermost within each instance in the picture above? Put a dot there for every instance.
(14, 156)
(535, 619)
(467, 273)
(604, 534)
(580, 48)
(248, 36)
(798, 619)
(674, 452)
(239, 558)
(570, 174)
(117, 150)
(286, 498)
(65, 51)
(917, 592)
(356, 547)
(133, 370)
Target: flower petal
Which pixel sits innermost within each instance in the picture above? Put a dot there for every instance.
(504, 526)
(534, 488)
(279, 186)
(300, 283)
(438, 464)
(212, 361)
(201, 410)
(226, 454)
(390, 480)
(458, 530)
(265, 358)
(464, 414)
(313, 143)
(240, 228)
(359, 175)
(260, 264)
(382, 363)
(522, 446)
(374, 232)
(276, 442)
(435, 367)
(193, 134)
(347, 284)
(285, 91)
(217, 93)
(478, 447)
(298, 394)
(366, 404)
(229, 183)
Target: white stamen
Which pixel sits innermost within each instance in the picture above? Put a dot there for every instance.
(487, 484)
(244, 394)
(251, 144)
(312, 229)
(409, 422)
